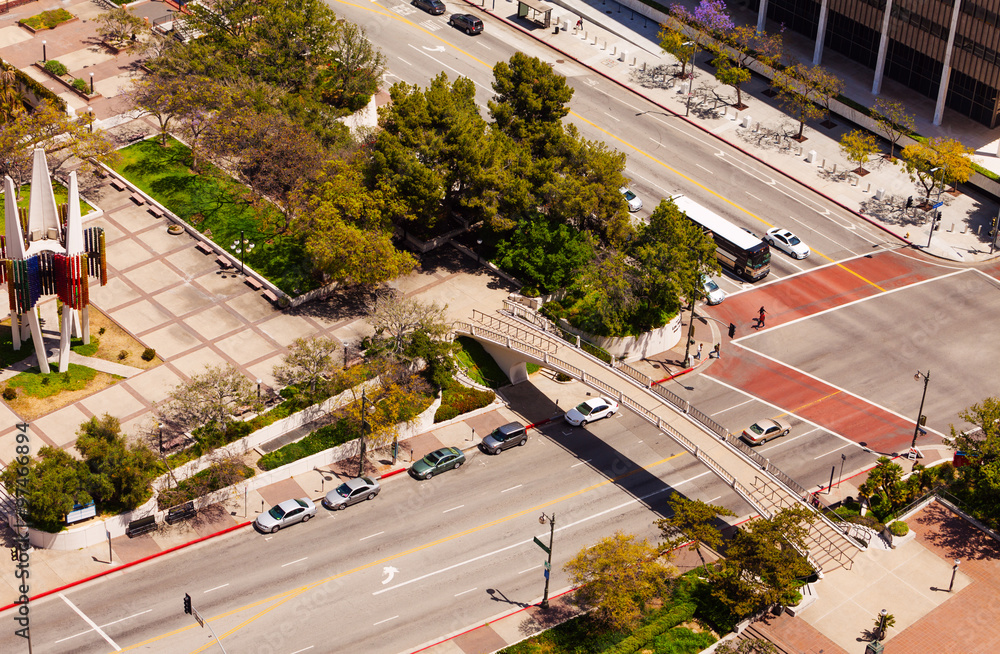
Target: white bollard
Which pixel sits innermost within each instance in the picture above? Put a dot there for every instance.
(684, 88)
(880, 194)
(614, 49)
(812, 156)
(623, 56)
(565, 25)
(747, 121)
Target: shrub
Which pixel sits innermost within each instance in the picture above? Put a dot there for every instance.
(100, 332)
(563, 377)
(457, 399)
(122, 355)
(641, 637)
(148, 354)
(322, 439)
(9, 394)
(55, 67)
(81, 85)
(899, 528)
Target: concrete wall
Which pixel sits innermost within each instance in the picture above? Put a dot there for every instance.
(633, 348)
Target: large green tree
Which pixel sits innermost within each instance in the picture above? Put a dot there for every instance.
(120, 471)
(55, 482)
(694, 522)
(530, 102)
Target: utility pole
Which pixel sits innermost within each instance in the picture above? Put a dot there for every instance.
(361, 459)
(920, 412)
(548, 550)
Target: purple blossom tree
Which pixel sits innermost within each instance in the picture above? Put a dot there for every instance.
(710, 15)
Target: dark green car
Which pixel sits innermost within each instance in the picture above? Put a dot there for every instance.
(437, 462)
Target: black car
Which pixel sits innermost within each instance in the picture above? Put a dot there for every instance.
(433, 7)
(467, 23)
(504, 437)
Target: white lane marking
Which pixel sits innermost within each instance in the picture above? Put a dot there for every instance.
(628, 105)
(134, 615)
(372, 536)
(752, 195)
(404, 61)
(295, 561)
(712, 500)
(581, 463)
(456, 71)
(216, 588)
(705, 169)
(786, 441)
(90, 622)
(511, 488)
(306, 649)
(386, 620)
(730, 408)
(268, 537)
(611, 117)
(829, 238)
(534, 567)
(656, 141)
(453, 508)
(464, 592)
(830, 452)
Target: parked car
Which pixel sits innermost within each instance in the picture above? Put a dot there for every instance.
(764, 430)
(591, 410)
(351, 492)
(433, 7)
(788, 242)
(505, 437)
(284, 514)
(713, 294)
(634, 203)
(467, 23)
(437, 462)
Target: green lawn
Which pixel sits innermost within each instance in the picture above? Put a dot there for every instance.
(217, 203)
(478, 364)
(8, 355)
(62, 195)
(35, 384)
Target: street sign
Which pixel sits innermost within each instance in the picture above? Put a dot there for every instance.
(197, 616)
(912, 456)
(546, 573)
(939, 204)
(542, 545)
(546, 565)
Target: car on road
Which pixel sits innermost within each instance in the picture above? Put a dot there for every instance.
(591, 410)
(713, 294)
(437, 462)
(432, 7)
(351, 492)
(467, 23)
(284, 514)
(786, 241)
(634, 203)
(504, 437)
(764, 430)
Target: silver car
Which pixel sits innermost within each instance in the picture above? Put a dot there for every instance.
(591, 410)
(350, 492)
(713, 294)
(286, 513)
(786, 241)
(633, 200)
(505, 437)
(764, 430)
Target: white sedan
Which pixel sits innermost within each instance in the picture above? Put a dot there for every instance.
(591, 410)
(634, 203)
(786, 241)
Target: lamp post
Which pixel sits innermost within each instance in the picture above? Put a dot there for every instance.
(843, 457)
(690, 334)
(242, 247)
(479, 250)
(45, 56)
(920, 414)
(259, 382)
(90, 111)
(548, 563)
(92, 84)
(361, 458)
(954, 569)
(881, 624)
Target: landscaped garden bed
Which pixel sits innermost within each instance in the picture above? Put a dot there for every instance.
(58, 71)
(47, 20)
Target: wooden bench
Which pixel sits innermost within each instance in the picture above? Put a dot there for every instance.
(254, 284)
(138, 199)
(100, 172)
(269, 294)
(117, 185)
(223, 262)
(201, 247)
(141, 526)
(153, 209)
(180, 513)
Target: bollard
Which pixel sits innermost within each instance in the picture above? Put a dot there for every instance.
(869, 189)
(834, 168)
(952, 227)
(824, 165)
(614, 49)
(633, 61)
(854, 181)
(747, 121)
(595, 39)
(644, 66)
(605, 46)
(624, 55)
(880, 194)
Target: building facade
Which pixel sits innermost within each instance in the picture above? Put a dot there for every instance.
(947, 50)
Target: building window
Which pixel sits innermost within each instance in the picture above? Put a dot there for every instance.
(852, 39)
(913, 69)
(973, 98)
(800, 16)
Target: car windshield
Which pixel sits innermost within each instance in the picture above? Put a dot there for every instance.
(344, 490)
(757, 429)
(584, 409)
(711, 285)
(434, 457)
(629, 195)
(793, 239)
(276, 512)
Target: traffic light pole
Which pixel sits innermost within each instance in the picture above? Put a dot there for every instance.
(197, 616)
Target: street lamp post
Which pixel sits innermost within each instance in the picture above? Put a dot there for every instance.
(690, 82)
(92, 84)
(548, 564)
(954, 569)
(881, 624)
(242, 247)
(90, 111)
(920, 414)
(259, 382)
(45, 56)
(361, 458)
(479, 250)
(843, 457)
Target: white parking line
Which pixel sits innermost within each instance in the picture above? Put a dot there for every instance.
(453, 508)
(386, 620)
(374, 535)
(304, 649)
(612, 117)
(216, 588)
(581, 463)
(464, 592)
(295, 561)
(830, 452)
(534, 567)
(134, 615)
(753, 196)
(404, 61)
(786, 441)
(511, 488)
(730, 408)
(705, 169)
(91, 623)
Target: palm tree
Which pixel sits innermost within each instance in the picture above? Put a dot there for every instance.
(11, 104)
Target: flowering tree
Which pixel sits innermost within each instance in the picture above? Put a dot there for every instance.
(710, 18)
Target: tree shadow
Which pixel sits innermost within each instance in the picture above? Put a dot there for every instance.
(958, 538)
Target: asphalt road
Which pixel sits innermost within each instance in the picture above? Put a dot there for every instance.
(422, 560)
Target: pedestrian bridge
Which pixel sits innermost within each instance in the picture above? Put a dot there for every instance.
(517, 335)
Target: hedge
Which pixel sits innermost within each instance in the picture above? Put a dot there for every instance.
(641, 638)
(37, 89)
(322, 439)
(457, 399)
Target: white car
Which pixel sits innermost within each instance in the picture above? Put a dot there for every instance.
(591, 410)
(286, 513)
(713, 294)
(634, 203)
(786, 241)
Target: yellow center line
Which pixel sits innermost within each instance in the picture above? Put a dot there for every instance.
(285, 596)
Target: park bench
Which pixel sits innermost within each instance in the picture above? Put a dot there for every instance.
(100, 172)
(223, 262)
(117, 185)
(153, 209)
(137, 198)
(254, 284)
(270, 295)
(201, 247)
(141, 526)
(180, 513)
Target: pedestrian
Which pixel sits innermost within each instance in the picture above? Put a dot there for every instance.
(718, 351)
(760, 320)
(698, 355)
(579, 23)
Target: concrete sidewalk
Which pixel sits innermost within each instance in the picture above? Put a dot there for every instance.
(622, 46)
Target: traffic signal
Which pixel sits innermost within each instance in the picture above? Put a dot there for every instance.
(187, 603)
(732, 330)
(909, 202)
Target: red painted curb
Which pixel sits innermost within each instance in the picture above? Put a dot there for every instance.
(129, 565)
(471, 629)
(697, 126)
(674, 376)
(392, 473)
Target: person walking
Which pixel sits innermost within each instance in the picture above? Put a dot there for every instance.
(579, 23)
(760, 319)
(698, 355)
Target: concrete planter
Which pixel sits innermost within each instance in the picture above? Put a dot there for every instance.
(633, 348)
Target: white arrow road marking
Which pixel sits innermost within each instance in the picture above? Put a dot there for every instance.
(91, 623)
(439, 48)
(388, 570)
